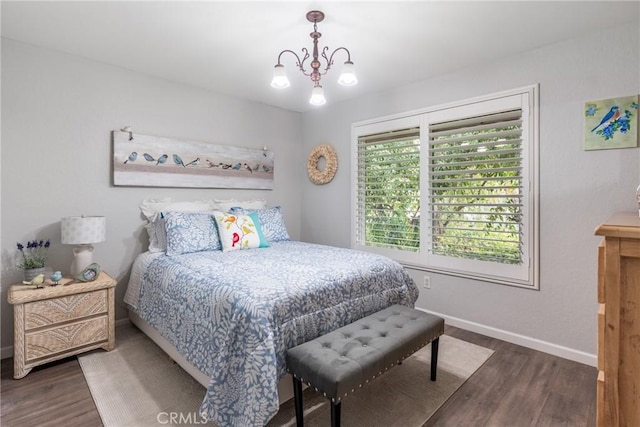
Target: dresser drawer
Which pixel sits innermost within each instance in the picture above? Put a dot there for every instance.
(63, 309)
(63, 338)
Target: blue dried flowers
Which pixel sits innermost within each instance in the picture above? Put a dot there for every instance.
(34, 255)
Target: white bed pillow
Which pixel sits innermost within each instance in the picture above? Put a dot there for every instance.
(151, 207)
(157, 235)
(227, 205)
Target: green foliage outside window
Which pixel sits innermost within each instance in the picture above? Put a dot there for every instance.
(474, 196)
(392, 194)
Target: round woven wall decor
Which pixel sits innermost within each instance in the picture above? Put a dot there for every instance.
(331, 158)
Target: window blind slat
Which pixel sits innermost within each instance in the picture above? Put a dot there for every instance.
(395, 135)
(472, 154)
(476, 196)
(457, 172)
(503, 119)
(458, 138)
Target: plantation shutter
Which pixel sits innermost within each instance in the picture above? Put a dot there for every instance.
(388, 190)
(476, 188)
(452, 189)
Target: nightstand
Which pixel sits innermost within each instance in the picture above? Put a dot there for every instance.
(55, 322)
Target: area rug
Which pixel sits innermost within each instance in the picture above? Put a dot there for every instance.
(138, 385)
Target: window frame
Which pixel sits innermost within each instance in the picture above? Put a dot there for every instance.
(525, 275)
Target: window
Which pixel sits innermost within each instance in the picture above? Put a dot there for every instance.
(389, 189)
(452, 189)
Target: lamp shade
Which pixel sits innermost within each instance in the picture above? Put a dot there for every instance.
(280, 80)
(317, 96)
(348, 75)
(83, 230)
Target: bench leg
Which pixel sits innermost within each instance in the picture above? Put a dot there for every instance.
(335, 414)
(297, 396)
(434, 358)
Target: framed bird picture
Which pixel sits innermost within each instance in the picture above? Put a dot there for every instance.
(152, 161)
(611, 123)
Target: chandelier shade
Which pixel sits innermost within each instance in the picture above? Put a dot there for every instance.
(317, 96)
(280, 79)
(347, 76)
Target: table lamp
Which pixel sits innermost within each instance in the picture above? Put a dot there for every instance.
(82, 231)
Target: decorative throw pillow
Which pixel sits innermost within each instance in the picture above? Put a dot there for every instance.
(271, 221)
(189, 232)
(239, 231)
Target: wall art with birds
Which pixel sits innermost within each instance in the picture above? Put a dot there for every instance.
(611, 123)
(149, 160)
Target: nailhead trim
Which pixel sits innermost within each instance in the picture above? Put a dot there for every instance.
(333, 399)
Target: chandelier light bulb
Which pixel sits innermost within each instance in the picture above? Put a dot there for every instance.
(317, 96)
(348, 75)
(280, 80)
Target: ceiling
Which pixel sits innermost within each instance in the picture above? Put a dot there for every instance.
(231, 47)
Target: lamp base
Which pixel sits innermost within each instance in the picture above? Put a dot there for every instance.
(82, 257)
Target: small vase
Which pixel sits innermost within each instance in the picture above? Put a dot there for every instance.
(30, 273)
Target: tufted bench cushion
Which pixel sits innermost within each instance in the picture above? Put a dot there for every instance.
(344, 360)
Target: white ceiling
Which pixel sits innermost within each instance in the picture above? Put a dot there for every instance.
(231, 47)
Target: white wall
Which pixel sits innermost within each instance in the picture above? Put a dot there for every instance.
(578, 189)
(57, 115)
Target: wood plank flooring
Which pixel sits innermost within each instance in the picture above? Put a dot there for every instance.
(515, 387)
(55, 394)
(518, 386)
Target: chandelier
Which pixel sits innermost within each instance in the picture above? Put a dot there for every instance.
(347, 77)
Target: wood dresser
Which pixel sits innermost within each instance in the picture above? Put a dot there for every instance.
(54, 322)
(618, 385)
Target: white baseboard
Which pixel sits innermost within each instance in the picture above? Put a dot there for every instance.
(7, 352)
(121, 322)
(533, 343)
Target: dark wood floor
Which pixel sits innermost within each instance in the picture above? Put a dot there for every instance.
(515, 387)
(518, 386)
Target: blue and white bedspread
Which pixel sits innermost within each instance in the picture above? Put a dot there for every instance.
(234, 314)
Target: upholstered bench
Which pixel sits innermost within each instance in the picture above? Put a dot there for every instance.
(346, 359)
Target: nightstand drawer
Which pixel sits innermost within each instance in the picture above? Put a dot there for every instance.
(60, 339)
(63, 309)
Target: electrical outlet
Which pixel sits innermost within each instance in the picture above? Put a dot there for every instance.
(427, 282)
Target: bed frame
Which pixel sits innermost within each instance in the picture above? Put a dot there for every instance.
(285, 386)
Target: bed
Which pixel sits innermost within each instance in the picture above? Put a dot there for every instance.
(233, 314)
